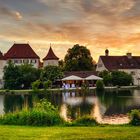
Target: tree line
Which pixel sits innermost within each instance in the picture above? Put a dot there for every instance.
(78, 58)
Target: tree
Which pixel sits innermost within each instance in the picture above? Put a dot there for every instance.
(99, 85)
(78, 59)
(17, 77)
(35, 85)
(61, 64)
(11, 76)
(121, 78)
(29, 74)
(51, 73)
(107, 77)
(47, 84)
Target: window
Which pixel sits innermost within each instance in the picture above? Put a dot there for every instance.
(15, 61)
(132, 73)
(33, 61)
(25, 61)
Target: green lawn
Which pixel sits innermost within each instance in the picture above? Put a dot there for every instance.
(69, 133)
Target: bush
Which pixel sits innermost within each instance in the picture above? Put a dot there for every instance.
(35, 85)
(47, 84)
(85, 87)
(121, 78)
(99, 85)
(85, 121)
(135, 117)
(43, 114)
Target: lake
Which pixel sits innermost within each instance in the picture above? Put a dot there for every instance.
(106, 106)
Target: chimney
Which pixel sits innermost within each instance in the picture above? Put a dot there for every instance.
(106, 52)
(129, 55)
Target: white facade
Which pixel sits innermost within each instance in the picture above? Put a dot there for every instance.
(2, 65)
(100, 65)
(134, 72)
(33, 62)
(50, 62)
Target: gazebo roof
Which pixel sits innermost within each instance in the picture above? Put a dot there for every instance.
(93, 77)
(72, 77)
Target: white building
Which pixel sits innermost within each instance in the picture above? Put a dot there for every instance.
(22, 54)
(126, 63)
(18, 54)
(50, 59)
(2, 65)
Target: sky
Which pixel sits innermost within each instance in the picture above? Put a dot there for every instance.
(96, 24)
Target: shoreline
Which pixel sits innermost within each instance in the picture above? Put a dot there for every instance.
(28, 91)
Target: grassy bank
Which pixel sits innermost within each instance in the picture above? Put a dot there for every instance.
(27, 91)
(69, 133)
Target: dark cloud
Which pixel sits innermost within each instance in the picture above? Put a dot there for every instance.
(96, 23)
(6, 12)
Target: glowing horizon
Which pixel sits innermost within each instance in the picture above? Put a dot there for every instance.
(96, 24)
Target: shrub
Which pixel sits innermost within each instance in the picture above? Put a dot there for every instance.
(135, 117)
(85, 87)
(85, 121)
(99, 85)
(43, 114)
(35, 85)
(47, 84)
(121, 78)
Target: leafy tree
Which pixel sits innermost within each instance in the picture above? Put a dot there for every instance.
(17, 77)
(35, 85)
(78, 59)
(51, 73)
(99, 85)
(61, 64)
(47, 84)
(29, 74)
(107, 77)
(121, 78)
(11, 76)
(103, 73)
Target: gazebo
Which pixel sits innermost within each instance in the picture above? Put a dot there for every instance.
(77, 78)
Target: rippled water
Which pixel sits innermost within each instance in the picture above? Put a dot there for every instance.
(107, 107)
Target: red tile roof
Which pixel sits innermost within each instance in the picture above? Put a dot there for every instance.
(21, 51)
(82, 74)
(121, 62)
(1, 56)
(51, 55)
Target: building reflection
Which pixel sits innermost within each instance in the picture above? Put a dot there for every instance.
(106, 106)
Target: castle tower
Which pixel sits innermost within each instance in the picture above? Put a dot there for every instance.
(50, 59)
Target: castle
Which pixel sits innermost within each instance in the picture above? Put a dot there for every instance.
(23, 54)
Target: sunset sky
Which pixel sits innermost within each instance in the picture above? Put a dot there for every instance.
(97, 24)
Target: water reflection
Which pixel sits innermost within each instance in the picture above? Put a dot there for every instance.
(107, 106)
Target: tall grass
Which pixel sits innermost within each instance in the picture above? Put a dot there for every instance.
(43, 114)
